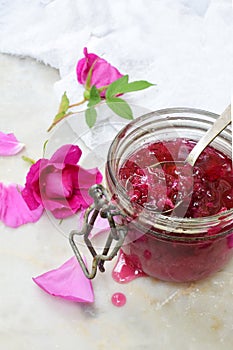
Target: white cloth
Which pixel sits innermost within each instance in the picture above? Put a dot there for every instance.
(183, 46)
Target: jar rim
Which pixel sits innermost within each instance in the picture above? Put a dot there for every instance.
(189, 222)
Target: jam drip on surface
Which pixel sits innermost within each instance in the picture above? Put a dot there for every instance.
(126, 269)
(118, 299)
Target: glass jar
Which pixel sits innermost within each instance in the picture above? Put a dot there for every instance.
(167, 247)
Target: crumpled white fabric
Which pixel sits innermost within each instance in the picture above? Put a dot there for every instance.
(184, 46)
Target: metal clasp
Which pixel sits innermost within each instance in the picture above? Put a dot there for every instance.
(102, 206)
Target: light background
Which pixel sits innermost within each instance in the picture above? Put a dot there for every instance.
(185, 47)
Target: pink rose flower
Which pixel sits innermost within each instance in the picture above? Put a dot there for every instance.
(103, 73)
(59, 184)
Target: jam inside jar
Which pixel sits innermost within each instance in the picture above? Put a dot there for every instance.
(179, 218)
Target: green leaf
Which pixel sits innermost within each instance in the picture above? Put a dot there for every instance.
(122, 86)
(28, 160)
(58, 117)
(94, 97)
(64, 104)
(116, 87)
(120, 107)
(136, 86)
(90, 115)
(63, 107)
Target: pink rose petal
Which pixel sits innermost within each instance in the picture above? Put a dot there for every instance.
(14, 211)
(9, 145)
(67, 154)
(55, 186)
(67, 282)
(87, 177)
(60, 208)
(31, 198)
(103, 73)
(84, 65)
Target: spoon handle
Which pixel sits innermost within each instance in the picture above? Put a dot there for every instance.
(219, 125)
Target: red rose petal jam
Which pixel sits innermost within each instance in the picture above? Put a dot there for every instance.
(176, 189)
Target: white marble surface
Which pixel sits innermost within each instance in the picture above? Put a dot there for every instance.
(157, 315)
(186, 48)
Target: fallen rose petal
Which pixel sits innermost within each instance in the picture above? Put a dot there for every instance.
(67, 282)
(14, 211)
(9, 145)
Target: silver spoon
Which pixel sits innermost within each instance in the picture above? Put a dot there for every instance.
(219, 125)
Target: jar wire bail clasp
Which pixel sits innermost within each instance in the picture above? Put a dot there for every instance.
(101, 206)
